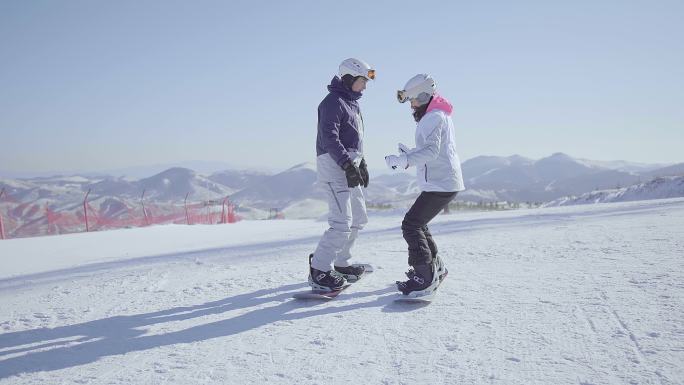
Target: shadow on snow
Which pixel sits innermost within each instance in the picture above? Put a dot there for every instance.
(44, 349)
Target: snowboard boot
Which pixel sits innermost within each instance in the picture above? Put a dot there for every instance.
(420, 277)
(439, 268)
(351, 273)
(424, 279)
(324, 280)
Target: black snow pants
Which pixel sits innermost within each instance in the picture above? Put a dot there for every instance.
(421, 246)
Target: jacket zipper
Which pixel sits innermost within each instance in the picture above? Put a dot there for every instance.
(426, 172)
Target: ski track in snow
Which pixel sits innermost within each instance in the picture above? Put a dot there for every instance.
(579, 295)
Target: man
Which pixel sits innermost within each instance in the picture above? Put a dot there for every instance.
(341, 172)
(438, 170)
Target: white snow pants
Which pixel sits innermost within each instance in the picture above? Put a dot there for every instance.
(346, 216)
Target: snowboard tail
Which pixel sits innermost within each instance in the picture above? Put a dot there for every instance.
(320, 294)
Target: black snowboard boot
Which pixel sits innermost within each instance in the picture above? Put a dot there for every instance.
(419, 278)
(324, 280)
(351, 273)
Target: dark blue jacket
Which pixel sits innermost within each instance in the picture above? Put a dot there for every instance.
(340, 126)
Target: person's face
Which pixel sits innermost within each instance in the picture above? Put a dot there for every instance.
(414, 103)
(359, 84)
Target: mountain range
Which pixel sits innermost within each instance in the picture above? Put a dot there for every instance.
(659, 188)
(293, 191)
(519, 179)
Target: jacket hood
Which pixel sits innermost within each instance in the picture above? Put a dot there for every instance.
(337, 87)
(440, 103)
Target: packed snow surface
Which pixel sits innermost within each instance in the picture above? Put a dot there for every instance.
(588, 294)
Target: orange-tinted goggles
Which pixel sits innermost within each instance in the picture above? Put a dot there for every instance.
(402, 96)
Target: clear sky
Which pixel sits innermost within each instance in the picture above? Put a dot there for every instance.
(92, 85)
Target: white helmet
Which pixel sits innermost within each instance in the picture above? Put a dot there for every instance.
(420, 87)
(356, 67)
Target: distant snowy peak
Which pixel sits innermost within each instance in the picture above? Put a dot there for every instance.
(14, 184)
(562, 165)
(497, 161)
(516, 178)
(486, 164)
(673, 170)
(302, 166)
(659, 188)
(559, 157)
(238, 179)
(175, 174)
(562, 159)
(176, 182)
(282, 189)
(518, 159)
(59, 179)
(621, 165)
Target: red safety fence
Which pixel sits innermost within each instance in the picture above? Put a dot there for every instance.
(36, 218)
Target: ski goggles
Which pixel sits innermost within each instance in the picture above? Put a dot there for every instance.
(421, 98)
(371, 74)
(402, 96)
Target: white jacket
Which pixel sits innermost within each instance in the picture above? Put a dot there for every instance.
(438, 167)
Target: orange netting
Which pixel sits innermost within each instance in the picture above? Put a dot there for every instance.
(35, 218)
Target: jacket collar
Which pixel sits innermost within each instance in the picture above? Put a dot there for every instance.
(337, 87)
(440, 103)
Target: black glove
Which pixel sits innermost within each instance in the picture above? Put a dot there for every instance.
(353, 174)
(363, 168)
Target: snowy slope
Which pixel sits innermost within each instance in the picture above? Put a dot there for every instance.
(672, 170)
(567, 295)
(659, 188)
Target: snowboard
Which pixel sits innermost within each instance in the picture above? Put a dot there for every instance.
(328, 295)
(423, 297)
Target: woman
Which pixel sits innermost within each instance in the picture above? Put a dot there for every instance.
(438, 170)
